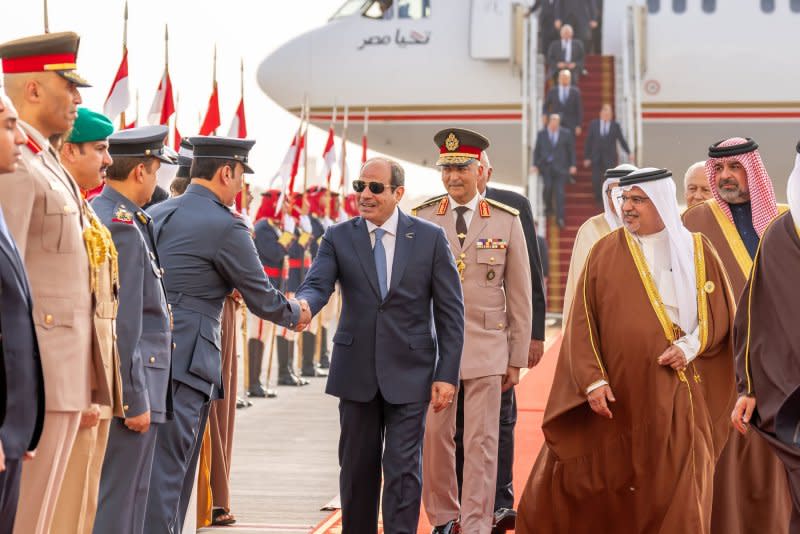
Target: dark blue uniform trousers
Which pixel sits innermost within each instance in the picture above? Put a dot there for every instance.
(377, 434)
(125, 480)
(175, 461)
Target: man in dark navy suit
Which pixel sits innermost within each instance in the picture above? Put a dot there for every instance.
(565, 99)
(565, 53)
(398, 280)
(600, 149)
(554, 161)
(21, 383)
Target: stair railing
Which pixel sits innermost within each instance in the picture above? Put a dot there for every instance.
(630, 113)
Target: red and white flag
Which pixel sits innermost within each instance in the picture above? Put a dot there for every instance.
(163, 105)
(133, 124)
(328, 159)
(119, 96)
(284, 172)
(178, 139)
(238, 124)
(301, 146)
(211, 121)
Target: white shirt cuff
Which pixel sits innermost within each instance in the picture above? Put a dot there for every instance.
(595, 385)
(689, 345)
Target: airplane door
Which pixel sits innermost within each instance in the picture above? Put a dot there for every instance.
(490, 29)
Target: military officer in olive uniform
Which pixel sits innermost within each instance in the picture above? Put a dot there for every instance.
(491, 255)
(206, 250)
(144, 338)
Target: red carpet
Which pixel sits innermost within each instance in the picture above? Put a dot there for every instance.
(532, 393)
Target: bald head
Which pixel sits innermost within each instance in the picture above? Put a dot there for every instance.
(695, 184)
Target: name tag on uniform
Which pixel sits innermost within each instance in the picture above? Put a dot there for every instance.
(495, 243)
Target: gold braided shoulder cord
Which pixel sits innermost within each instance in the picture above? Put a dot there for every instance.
(100, 249)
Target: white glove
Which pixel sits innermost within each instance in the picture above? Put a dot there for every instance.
(305, 223)
(288, 223)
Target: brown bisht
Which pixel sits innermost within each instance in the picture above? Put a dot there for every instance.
(649, 469)
(767, 343)
(750, 492)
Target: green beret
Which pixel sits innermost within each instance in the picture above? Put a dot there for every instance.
(90, 126)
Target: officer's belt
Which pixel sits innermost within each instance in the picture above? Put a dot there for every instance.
(188, 302)
(297, 263)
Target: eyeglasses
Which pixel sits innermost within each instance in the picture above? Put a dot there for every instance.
(635, 200)
(376, 188)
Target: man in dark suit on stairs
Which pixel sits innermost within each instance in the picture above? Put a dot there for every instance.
(600, 148)
(554, 161)
(566, 53)
(565, 99)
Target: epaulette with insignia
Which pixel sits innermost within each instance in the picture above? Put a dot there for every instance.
(122, 215)
(142, 217)
(504, 207)
(429, 202)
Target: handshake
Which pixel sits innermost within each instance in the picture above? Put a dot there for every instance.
(305, 315)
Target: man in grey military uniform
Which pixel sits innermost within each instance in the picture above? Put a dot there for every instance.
(144, 338)
(206, 250)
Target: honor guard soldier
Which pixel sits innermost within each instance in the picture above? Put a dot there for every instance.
(491, 255)
(298, 223)
(55, 228)
(144, 337)
(207, 251)
(316, 198)
(272, 244)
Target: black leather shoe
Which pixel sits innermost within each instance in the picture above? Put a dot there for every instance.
(316, 373)
(257, 391)
(504, 519)
(451, 527)
(291, 380)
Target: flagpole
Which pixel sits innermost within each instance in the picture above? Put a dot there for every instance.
(124, 52)
(214, 78)
(305, 148)
(364, 138)
(342, 184)
(46, 18)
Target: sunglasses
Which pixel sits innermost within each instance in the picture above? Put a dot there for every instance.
(376, 188)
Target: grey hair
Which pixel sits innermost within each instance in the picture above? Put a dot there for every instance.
(693, 167)
(398, 178)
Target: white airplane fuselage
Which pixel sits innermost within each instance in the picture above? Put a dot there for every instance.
(707, 76)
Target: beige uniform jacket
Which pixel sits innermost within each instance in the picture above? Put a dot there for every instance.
(45, 213)
(496, 283)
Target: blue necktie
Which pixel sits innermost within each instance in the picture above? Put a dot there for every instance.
(380, 261)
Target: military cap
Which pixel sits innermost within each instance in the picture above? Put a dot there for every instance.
(143, 142)
(50, 52)
(223, 148)
(647, 174)
(184, 159)
(90, 126)
(458, 146)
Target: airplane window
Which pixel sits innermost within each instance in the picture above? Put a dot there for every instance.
(414, 9)
(350, 7)
(709, 6)
(653, 6)
(767, 6)
(794, 5)
(679, 6)
(379, 9)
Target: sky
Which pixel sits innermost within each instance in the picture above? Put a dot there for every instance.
(241, 29)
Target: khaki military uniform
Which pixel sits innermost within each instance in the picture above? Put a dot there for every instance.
(496, 281)
(47, 217)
